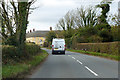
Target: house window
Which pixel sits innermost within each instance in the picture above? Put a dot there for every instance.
(40, 44)
(40, 40)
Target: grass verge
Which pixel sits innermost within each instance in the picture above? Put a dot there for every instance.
(114, 57)
(0, 71)
(47, 47)
(15, 71)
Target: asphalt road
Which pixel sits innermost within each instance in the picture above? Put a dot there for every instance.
(76, 65)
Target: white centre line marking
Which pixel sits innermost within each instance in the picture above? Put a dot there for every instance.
(79, 61)
(91, 71)
(73, 57)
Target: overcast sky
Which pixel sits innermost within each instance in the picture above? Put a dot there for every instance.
(50, 11)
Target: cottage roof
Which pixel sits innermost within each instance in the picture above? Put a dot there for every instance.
(37, 34)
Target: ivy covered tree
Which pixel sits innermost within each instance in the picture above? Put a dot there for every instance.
(14, 22)
(105, 6)
(103, 26)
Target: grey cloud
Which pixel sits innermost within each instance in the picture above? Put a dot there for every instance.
(48, 15)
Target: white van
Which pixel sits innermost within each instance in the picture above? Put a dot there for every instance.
(58, 46)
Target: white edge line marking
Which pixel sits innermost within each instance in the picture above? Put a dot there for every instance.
(91, 71)
(73, 57)
(79, 61)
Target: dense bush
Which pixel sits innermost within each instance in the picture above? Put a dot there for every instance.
(106, 35)
(32, 49)
(68, 42)
(10, 54)
(95, 38)
(45, 44)
(115, 33)
(86, 34)
(109, 48)
(10, 41)
(50, 35)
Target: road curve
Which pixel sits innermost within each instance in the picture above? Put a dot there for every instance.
(76, 65)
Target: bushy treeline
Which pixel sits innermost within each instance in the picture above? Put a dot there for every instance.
(10, 54)
(88, 25)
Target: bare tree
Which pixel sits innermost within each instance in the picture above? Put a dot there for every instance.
(67, 22)
(86, 17)
(81, 17)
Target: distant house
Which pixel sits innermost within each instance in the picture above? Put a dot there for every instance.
(38, 37)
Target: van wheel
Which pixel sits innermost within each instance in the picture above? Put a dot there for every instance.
(53, 53)
(64, 52)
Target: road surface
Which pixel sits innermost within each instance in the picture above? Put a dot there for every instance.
(76, 65)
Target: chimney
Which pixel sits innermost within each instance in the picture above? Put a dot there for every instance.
(50, 28)
(30, 31)
(33, 30)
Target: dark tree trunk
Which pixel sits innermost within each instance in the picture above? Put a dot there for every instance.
(22, 8)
